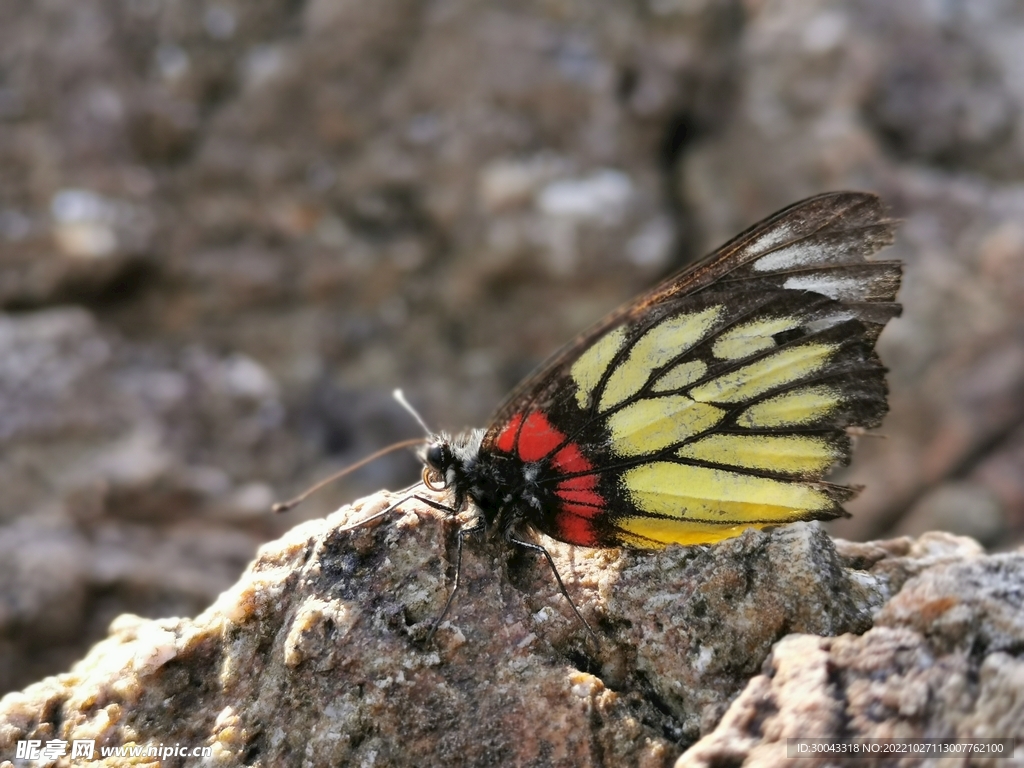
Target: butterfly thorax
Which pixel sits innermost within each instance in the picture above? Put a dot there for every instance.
(502, 489)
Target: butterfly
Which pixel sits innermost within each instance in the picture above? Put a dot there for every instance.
(715, 402)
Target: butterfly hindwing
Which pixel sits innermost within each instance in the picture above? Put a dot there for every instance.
(718, 400)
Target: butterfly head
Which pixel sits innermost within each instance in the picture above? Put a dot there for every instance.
(448, 460)
(437, 458)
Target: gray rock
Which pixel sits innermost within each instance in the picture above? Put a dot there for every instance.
(318, 655)
(119, 492)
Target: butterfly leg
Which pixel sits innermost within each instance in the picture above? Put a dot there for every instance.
(561, 586)
(436, 505)
(478, 525)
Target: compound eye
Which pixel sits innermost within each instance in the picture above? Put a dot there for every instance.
(435, 456)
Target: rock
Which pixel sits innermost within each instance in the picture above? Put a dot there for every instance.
(320, 652)
(118, 491)
(940, 662)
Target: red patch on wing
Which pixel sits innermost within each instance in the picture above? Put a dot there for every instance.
(580, 510)
(507, 439)
(576, 529)
(590, 498)
(538, 438)
(579, 503)
(571, 460)
(578, 483)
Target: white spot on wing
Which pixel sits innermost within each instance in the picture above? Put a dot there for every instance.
(770, 239)
(802, 254)
(787, 258)
(833, 286)
(827, 322)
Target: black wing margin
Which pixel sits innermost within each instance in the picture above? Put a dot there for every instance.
(816, 246)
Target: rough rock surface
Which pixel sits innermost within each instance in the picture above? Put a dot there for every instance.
(317, 656)
(942, 661)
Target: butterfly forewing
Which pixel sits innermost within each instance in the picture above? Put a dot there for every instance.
(719, 399)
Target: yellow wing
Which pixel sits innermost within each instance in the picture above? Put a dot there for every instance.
(720, 399)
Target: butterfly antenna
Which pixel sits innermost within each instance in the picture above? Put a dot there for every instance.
(397, 394)
(284, 506)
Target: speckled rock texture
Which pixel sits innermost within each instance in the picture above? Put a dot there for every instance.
(942, 661)
(709, 655)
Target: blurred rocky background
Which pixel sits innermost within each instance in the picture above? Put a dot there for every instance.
(228, 229)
